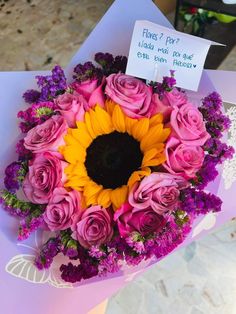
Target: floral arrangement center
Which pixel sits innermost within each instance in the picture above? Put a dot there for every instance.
(109, 151)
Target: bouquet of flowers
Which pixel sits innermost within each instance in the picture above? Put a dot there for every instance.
(113, 167)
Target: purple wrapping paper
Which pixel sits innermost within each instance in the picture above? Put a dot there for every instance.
(23, 289)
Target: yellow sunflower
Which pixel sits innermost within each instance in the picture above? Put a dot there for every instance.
(108, 152)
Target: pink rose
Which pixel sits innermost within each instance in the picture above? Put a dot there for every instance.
(94, 227)
(72, 107)
(160, 191)
(169, 100)
(187, 123)
(46, 172)
(46, 136)
(134, 96)
(145, 221)
(182, 159)
(174, 98)
(91, 90)
(62, 208)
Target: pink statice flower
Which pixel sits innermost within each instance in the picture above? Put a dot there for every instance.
(36, 114)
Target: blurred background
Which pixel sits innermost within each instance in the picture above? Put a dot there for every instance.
(37, 34)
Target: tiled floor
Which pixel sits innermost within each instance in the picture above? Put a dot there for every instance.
(200, 279)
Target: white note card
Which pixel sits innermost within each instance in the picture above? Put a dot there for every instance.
(155, 50)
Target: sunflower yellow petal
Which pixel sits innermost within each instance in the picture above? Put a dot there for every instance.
(140, 128)
(89, 125)
(138, 175)
(104, 119)
(104, 198)
(150, 154)
(77, 183)
(129, 124)
(73, 155)
(118, 119)
(81, 134)
(96, 125)
(151, 137)
(79, 169)
(119, 196)
(154, 162)
(91, 192)
(110, 105)
(92, 200)
(165, 134)
(154, 120)
(92, 189)
(70, 140)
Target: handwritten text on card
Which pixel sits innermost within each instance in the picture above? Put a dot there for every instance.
(155, 50)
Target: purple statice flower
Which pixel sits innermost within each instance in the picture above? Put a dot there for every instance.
(216, 121)
(36, 114)
(31, 96)
(134, 259)
(109, 264)
(52, 85)
(71, 252)
(70, 249)
(219, 150)
(49, 250)
(119, 64)
(199, 202)
(216, 124)
(96, 252)
(207, 173)
(173, 236)
(69, 246)
(13, 176)
(12, 210)
(90, 269)
(75, 273)
(104, 59)
(212, 103)
(28, 225)
(23, 153)
(86, 71)
(110, 64)
(14, 206)
(168, 83)
(71, 273)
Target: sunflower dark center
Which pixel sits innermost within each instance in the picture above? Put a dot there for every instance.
(112, 158)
